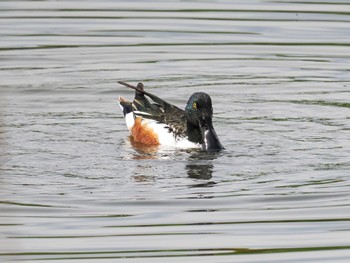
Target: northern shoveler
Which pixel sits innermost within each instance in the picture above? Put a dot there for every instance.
(161, 123)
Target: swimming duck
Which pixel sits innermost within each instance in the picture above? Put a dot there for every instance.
(161, 123)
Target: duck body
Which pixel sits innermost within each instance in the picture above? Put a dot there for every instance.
(161, 123)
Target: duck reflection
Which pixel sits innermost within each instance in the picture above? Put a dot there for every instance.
(139, 178)
(143, 152)
(200, 171)
(200, 165)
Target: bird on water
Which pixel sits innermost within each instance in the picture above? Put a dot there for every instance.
(161, 123)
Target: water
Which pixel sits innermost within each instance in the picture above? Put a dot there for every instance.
(75, 187)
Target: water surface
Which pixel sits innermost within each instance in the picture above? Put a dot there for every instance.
(75, 187)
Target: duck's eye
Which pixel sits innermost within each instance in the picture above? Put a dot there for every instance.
(194, 105)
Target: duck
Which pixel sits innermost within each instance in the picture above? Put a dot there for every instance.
(153, 121)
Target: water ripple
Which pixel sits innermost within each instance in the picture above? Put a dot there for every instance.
(75, 186)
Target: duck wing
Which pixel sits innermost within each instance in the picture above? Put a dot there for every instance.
(160, 110)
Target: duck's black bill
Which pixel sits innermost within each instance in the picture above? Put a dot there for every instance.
(211, 141)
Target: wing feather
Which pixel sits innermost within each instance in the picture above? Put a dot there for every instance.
(160, 110)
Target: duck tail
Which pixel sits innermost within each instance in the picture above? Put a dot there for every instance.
(141, 92)
(125, 105)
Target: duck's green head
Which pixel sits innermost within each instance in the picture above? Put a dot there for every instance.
(199, 113)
